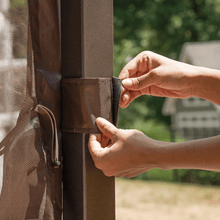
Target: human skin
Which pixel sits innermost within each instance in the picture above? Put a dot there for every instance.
(130, 151)
(152, 74)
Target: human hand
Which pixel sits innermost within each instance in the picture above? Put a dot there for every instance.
(129, 153)
(152, 74)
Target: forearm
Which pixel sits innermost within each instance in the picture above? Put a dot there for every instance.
(199, 154)
(207, 84)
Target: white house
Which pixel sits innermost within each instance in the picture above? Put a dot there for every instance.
(196, 118)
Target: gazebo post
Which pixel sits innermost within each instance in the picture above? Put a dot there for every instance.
(86, 51)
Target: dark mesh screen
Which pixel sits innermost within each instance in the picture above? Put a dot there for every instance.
(30, 186)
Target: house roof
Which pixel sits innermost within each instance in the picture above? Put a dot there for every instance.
(206, 54)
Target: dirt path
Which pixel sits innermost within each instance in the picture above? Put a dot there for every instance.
(141, 200)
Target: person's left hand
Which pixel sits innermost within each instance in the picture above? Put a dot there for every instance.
(129, 153)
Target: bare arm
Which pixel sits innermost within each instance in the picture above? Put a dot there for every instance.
(207, 84)
(201, 154)
(152, 74)
(131, 152)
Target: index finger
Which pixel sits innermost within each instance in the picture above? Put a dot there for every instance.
(138, 64)
(129, 69)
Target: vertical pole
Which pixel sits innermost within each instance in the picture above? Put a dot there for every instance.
(87, 51)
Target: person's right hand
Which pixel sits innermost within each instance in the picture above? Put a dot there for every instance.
(152, 74)
(129, 153)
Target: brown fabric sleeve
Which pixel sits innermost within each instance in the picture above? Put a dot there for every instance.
(85, 99)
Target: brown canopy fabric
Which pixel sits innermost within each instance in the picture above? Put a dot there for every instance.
(30, 176)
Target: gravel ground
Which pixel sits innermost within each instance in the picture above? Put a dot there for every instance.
(146, 200)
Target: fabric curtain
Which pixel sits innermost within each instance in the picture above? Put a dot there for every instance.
(30, 170)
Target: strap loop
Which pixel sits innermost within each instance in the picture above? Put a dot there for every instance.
(48, 114)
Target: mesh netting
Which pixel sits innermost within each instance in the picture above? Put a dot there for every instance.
(30, 187)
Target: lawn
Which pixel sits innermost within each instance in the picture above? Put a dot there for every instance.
(148, 200)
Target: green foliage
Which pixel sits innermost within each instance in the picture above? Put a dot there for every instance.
(18, 3)
(199, 176)
(162, 26)
(157, 174)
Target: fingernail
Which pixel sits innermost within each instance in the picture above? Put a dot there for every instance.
(127, 82)
(100, 121)
(125, 98)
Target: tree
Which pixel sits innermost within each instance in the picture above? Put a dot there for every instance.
(162, 26)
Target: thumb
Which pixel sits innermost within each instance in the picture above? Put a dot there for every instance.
(107, 128)
(140, 82)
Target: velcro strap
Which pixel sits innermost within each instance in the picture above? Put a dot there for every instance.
(85, 99)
